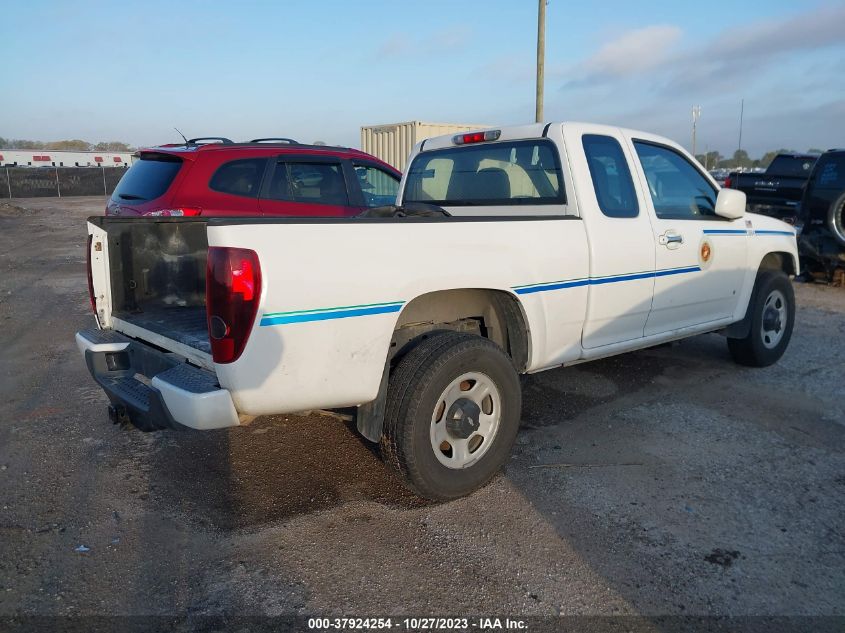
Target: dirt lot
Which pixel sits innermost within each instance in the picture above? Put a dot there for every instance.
(668, 481)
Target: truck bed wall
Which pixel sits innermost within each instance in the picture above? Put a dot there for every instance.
(156, 265)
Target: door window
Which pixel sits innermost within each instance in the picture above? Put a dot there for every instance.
(611, 177)
(239, 177)
(378, 186)
(678, 190)
(313, 183)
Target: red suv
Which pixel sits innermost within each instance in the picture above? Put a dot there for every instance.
(214, 176)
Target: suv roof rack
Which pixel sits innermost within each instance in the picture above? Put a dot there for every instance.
(275, 139)
(219, 139)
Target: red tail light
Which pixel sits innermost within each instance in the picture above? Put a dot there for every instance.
(180, 212)
(232, 293)
(727, 182)
(90, 275)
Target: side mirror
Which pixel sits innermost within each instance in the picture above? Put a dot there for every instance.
(730, 203)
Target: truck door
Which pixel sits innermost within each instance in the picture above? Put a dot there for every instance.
(700, 257)
(620, 238)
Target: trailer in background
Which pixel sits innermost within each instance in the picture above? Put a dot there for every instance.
(393, 142)
(63, 158)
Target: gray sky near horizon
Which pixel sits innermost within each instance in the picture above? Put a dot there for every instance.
(133, 71)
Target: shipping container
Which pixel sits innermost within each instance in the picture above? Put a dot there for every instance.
(393, 142)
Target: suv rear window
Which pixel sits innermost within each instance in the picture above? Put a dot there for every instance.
(494, 174)
(147, 179)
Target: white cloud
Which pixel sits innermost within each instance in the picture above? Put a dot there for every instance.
(635, 51)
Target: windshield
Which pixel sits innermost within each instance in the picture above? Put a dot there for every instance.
(506, 173)
(147, 179)
(792, 166)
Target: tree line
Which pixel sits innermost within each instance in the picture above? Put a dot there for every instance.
(73, 145)
(740, 158)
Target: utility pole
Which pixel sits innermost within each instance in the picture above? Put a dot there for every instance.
(741, 112)
(541, 58)
(696, 113)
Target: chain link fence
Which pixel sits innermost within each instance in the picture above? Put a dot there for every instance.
(40, 182)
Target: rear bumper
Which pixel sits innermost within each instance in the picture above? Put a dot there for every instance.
(153, 389)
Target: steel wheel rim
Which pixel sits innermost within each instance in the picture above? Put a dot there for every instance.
(774, 319)
(470, 388)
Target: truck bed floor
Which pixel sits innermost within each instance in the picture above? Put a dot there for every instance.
(186, 325)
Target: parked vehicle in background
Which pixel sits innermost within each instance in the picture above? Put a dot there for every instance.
(263, 177)
(822, 216)
(778, 190)
(720, 175)
(535, 247)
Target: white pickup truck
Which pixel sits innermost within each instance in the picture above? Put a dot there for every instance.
(537, 246)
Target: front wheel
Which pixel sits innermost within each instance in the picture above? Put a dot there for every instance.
(453, 409)
(772, 316)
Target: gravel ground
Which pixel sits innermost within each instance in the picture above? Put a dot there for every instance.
(667, 481)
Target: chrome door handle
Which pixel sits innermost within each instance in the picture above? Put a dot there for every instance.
(670, 237)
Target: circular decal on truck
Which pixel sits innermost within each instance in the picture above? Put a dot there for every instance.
(705, 252)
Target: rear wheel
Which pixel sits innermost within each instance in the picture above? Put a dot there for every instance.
(772, 316)
(453, 408)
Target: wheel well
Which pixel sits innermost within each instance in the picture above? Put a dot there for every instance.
(778, 261)
(493, 314)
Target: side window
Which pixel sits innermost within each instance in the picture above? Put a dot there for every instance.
(239, 177)
(830, 172)
(611, 177)
(378, 186)
(678, 190)
(313, 183)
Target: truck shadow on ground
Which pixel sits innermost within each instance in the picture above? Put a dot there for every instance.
(283, 466)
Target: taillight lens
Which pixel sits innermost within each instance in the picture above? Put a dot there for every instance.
(90, 274)
(232, 293)
(727, 182)
(175, 213)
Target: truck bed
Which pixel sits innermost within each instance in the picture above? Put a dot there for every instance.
(186, 325)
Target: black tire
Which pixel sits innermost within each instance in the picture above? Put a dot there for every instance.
(414, 391)
(755, 350)
(836, 220)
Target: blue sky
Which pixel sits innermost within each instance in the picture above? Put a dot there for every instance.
(318, 71)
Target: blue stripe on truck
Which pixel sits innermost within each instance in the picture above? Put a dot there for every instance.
(326, 314)
(598, 281)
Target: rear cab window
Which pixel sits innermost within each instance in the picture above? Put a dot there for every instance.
(149, 178)
(504, 173)
(799, 166)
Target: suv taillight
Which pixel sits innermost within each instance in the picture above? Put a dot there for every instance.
(175, 213)
(728, 183)
(232, 293)
(90, 275)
